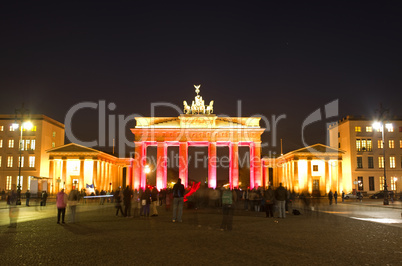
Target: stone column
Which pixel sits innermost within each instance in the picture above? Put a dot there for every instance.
(64, 178)
(81, 182)
(309, 180)
(328, 185)
(138, 164)
(161, 167)
(252, 150)
(257, 164)
(183, 163)
(340, 184)
(212, 165)
(95, 173)
(234, 165)
(296, 175)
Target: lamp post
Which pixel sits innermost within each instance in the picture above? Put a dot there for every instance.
(22, 125)
(381, 126)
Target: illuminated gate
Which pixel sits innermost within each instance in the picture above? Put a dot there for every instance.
(196, 127)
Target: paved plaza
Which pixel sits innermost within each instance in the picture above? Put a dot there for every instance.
(324, 236)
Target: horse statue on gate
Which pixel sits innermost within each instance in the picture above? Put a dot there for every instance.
(210, 108)
(187, 108)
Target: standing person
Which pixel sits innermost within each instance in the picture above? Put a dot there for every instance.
(228, 199)
(330, 196)
(154, 196)
(245, 197)
(44, 198)
(127, 195)
(145, 202)
(343, 196)
(117, 200)
(178, 201)
(72, 203)
(61, 202)
(280, 196)
(269, 196)
(27, 196)
(336, 197)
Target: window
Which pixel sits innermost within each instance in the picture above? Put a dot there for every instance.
(358, 129)
(21, 160)
(364, 145)
(339, 145)
(371, 183)
(390, 127)
(381, 183)
(32, 144)
(29, 183)
(1, 128)
(19, 181)
(369, 145)
(54, 134)
(393, 183)
(9, 161)
(11, 143)
(33, 129)
(315, 168)
(27, 144)
(339, 134)
(11, 128)
(370, 162)
(392, 162)
(31, 161)
(359, 162)
(391, 143)
(360, 182)
(53, 144)
(0, 160)
(380, 162)
(1, 143)
(358, 145)
(380, 144)
(400, 144)
(8, 182)
(369, 129)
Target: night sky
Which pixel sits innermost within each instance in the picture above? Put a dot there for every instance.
(287, 58)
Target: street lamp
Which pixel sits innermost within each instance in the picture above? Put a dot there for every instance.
(381, 126)
(28, 126)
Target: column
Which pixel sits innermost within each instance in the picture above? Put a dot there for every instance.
(328, 182)
(340, 184)
(64, 174)
(183, 163)
(81, 182)
(296, 175)
(212, 165)
(257, 164)
(137, 164)
(129, 175)
(161, 167)
(309, 180)
(234, 165)
(252, 148)
(95, 174)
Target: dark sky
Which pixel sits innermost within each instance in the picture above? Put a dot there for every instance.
(277, 58)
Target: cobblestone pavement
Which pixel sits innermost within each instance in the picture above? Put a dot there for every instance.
(99, 237)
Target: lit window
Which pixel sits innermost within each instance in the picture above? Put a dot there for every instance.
(390, 127)
(381, 183)
(34, 128)
(21, 146)
(54, 134)
(31, 161)
(379, 129)
(315, 168)
(12, 128)
(20, 181)
(33, 144)
(364, 145)
(358, 129)
(53, 144)
(359, 162)
(393, 183)
(1, 128)
(8, 182)
(380, 162)
(369, 145)
(369, 129)
(11, 143)
(27, 144)
(391, 143)
(21, 160)
(358, 145)
(380, 144)
(392, 162)
(0, 160)
(9, 161)
(1, 143)
(360, 182)
(29, 183)
(400, 144)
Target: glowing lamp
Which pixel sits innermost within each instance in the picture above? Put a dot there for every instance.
(27, 125)
(377, 125)
(15, 125)
(147, 170)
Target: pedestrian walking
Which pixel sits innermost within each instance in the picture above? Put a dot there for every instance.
(127, 195)
(72, 203)
(27, 197)
(154, 196)
(117, 200)
(269, 196)
(228, 200)
(330, 196)
(343, 196)
(61, 203)
(44, 198)
(145, 202)
(178, 201)
(336, 197)
(280, 196)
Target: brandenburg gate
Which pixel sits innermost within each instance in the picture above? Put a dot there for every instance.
(198, 126)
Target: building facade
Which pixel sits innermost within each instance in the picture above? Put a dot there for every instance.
(44, 134)
(363, 158)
